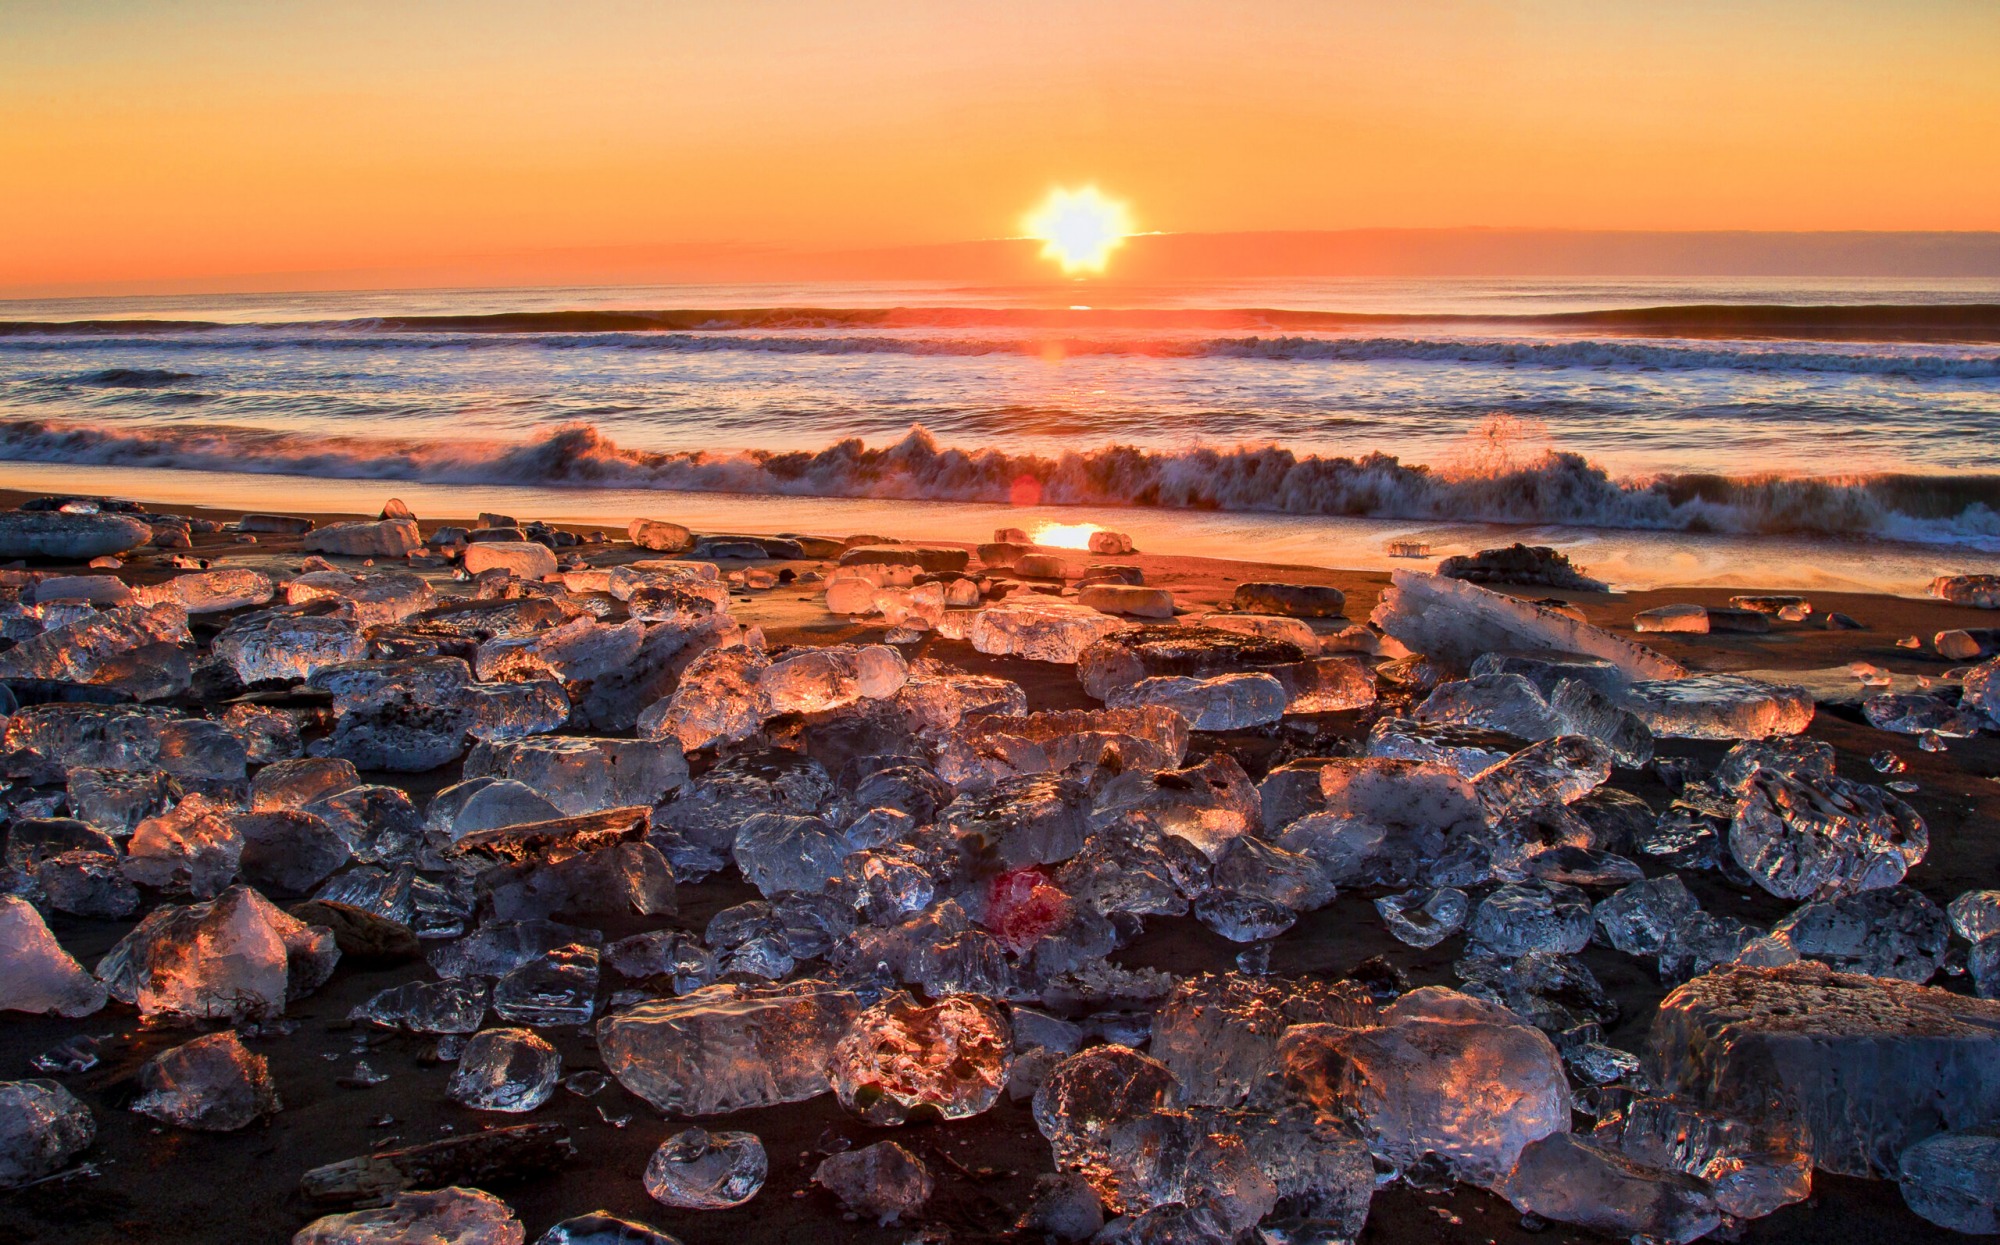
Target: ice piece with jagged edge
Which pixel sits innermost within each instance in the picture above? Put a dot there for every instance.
(1799, 838)
(583, 774)
(1519, 918)
(1809, 760)
(125, 738)
(1975, 915)
(93, 648)
(991, 747)
(370, 599)
(698, 1170)
(882, 1182)
(288, 644)
(1953, 1180)
(208, 592)
(450, 1006)
(301, 781)
(42, 1127)
(900, 1060)
(212, 1084)
(1041, 628)
(1250, 866)
(1168, 1158)
(1583, 709)
(578, 650)
(1863, 1066)
(1572, 1180)
(1551, 991)
(706, 813)
(728, 1047)
(780, 853)
(497, 948)
(716, 702)
(269, 733)
(809, 680)
(1719, 706)
(400, 895)
(408, 732)
(1130, 656)
(36, 974)
(236, 957)
(559, 988)
(1560, 770)
(1218, 1033)
(1703, 941)
(115, 801)
(1130, 866)
(379, 823)
(1919, 713)
(1457, 623)
(1465, 749)
(193, 848)
(941, 700)
(1031, 820)
(1092, 1092)
(1425, 810)
(1750, 1172)
(1243, 918)
(1425, 917)
(1893, 932)
(1323, 1173)
(1505, 703)
(454, 1215)
(85, 883)
(510, 1070)
(1209, 804)
(1223, 702)
(1640, 918)
(1408, 1084)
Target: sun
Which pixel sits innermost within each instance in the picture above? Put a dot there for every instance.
(1079, 228)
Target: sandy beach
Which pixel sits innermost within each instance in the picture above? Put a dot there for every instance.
(148, 1182)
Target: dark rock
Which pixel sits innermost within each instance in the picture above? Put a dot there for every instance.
(1290, 600)
(1536, 565)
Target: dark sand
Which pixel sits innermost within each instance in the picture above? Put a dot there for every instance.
(154, 1183)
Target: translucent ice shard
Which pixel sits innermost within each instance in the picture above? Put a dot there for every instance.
(899, 1058)
(698, 1170)
(1953, 1180)
(1798, 838)
(36, 974)
(509, 1070)
(728, 1047)
(882, 1182)
(212, 1084)
(42, 1127)
(451, 1215)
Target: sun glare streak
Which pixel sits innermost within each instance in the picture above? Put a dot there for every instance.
(1079, 228)
(1065, 535)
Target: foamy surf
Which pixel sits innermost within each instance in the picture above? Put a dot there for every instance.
(1553, 487)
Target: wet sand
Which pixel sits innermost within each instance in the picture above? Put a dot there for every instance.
(154, 1183)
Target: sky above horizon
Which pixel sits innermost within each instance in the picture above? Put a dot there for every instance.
(149, 141)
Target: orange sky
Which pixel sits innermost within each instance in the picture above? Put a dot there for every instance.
(199, 139)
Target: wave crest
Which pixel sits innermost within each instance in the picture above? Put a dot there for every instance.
(1549, 487)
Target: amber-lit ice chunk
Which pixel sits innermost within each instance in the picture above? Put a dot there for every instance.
(1865, 1066)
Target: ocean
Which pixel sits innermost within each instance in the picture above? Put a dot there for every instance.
(1767, 433)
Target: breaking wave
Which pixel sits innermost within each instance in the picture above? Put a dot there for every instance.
(1551, 487)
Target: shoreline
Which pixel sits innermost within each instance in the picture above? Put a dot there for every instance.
(986, 1165)
(1634, 559)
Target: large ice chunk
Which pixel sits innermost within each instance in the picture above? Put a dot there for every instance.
(728, 1047)
(1443, 1074)
(235, 958)
(583, 774)
(1572, 1180)
(1863, 1066)
(36, 974)
(450, 1216)
(282, 644)
(1224, 702)
(42, 1127)
(1800, 837)
(900, 1059)
(882, 1182)
(212, 1084)
(1953, 1180)
(1219, 1034)
(1041, 628)
(1458, 623)
(698, 1170)
(510, 1070)
(1718, 706)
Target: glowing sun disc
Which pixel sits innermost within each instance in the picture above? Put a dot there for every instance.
(1079, 228)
